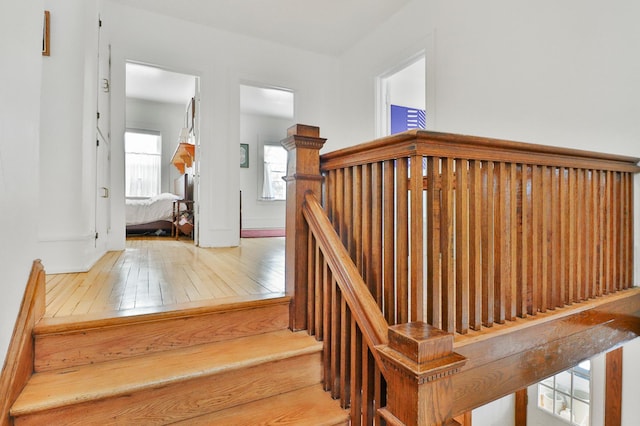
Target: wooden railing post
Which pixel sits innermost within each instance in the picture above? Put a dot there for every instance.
(419, 361)
(303, 174)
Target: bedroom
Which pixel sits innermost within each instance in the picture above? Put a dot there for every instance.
(160, 119)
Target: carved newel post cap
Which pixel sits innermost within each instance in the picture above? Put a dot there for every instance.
(304, 130)
(420, 342)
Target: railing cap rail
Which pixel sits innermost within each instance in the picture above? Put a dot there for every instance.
(428, 143)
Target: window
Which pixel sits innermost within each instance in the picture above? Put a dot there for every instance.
(143, 158)
(405, 118)
(567, 394)
(275, 167)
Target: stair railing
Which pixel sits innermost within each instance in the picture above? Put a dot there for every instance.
(450, 234)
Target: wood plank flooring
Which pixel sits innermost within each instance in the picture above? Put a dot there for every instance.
(163, 273)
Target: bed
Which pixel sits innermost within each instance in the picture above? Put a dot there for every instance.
(150, 215)
(155, 215)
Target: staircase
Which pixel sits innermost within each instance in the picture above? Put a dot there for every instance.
(231, 364)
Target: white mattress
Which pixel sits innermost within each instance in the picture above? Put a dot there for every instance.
(151, 209)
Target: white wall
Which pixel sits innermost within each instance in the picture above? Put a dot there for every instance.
(630, 383)
(257, 130)
(20, 50)
(501, 412)
(166, 118)
(222, 60)
(66, 219)
(556, 73)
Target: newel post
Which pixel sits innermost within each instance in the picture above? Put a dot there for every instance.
(303, 144)
(419, 362)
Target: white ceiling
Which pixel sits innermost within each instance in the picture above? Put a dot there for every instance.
(323, 26)
(155, 84)
(327, 27)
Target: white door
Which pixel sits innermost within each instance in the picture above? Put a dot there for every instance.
(103, 142)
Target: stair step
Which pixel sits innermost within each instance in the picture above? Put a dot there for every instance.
(168, 386)
(65, 344)
(310, 406)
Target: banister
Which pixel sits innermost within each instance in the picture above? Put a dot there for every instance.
(426, 143)
(429, 235)
(353, 287)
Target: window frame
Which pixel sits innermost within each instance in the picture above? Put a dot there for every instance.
(158, 134)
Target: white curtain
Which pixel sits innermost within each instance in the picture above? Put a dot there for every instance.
(142, 175)
(267, 190)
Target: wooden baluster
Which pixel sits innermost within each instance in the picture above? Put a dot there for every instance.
(564, 237)
(546, 237)
(330, 195)
(614, 208)
(356, 374)
(402, 240)
(379, 392)
(592, 236)
(417, 250)
(334, 354)
(311, 282)
(628, 261)
(434, 292)
(366, 222)
(345, 354)
(475, 245)
(328, 334)
(513, 281)
(368, 413)
(348, 213)
(582, 252)
(375, 279)
(462, 246)
(357, 210)
(526, 240)
(622, 255)
(303, 174)
(389, 225)
(502, 264)
(448, 262)
(573, 255)
(601, 197)
(607, 248)
(339, 219)
(488, 246)
(619, 206)
(321, 268)
(536, 240)
(554, 292)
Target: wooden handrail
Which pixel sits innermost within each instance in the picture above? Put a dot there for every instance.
(18, 365)
(425, 143)
(354, 290)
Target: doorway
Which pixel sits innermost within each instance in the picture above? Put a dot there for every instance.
(402, 97)
(265, 114)
(161, 162)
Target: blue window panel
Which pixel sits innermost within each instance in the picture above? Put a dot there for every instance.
(404, 118)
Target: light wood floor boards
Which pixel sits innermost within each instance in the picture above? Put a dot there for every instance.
(159, 273)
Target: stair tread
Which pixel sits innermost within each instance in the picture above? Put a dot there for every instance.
(58, 388)
(80, 323)
(310, 406)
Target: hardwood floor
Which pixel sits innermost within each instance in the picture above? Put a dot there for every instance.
(154, 274)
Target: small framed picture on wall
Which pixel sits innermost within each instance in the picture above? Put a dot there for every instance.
(46, 33)
(244, 155)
